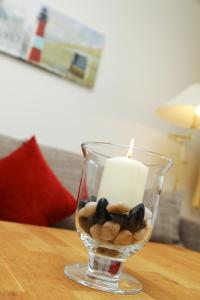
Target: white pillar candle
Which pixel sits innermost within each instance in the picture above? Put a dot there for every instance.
(123, 181)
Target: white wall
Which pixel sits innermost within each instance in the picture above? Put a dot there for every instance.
(151, 53)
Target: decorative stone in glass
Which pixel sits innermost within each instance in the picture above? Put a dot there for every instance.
(116, 226)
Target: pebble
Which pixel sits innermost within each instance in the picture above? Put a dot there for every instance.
(122, 219)
(124, 238)
(89, 209)
(95, 231)
(82, 203)
(136, 217)
(93, 198)
(109, 230)
(139, 235)
(101, 215)
(117, 208)
(148, 223)
(142, 234)
(147, 214)
(81, 212)
(86, 223)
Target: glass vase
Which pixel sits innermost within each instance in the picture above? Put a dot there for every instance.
(113, 229)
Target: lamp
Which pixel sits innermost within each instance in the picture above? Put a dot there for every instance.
(184, 111)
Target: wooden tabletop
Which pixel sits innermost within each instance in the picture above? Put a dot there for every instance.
(32, 261)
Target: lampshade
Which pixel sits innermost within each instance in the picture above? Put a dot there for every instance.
(184, 109)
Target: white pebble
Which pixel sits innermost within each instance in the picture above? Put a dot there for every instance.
(142, 234)
(139, 235)
(90, 209)
(148, 223)
(109, 230)
(147, 214)
(81, 212)
(95, 231)
(123, 238)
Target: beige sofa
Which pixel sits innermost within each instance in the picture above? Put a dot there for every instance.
(67, 166)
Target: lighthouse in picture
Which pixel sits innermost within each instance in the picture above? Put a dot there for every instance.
(38, 41)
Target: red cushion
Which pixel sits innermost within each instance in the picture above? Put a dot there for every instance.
(29, 190)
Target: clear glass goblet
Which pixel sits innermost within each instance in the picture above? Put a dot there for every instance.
(111, 230)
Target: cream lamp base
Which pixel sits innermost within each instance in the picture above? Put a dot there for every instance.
(180, 139)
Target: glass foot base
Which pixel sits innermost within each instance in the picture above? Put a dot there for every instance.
(126, 285)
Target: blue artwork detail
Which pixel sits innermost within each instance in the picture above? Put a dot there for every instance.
(80, 61)
(39, 42)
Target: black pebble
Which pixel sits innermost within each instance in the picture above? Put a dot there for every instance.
(101, 215)
(136, 218)
(121, 219)
(82, 203)
(92, 198)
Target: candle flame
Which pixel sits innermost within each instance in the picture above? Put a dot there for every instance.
(130, 150)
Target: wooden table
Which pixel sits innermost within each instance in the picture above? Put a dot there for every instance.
(32, 261)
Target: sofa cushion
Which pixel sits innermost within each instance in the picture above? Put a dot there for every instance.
(66, 165)
(8, 144)
(29, 190)
(190, 234)
(166, 227)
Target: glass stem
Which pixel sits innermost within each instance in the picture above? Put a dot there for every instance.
(104, 268)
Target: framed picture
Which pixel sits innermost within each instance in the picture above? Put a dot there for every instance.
(44, 37)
